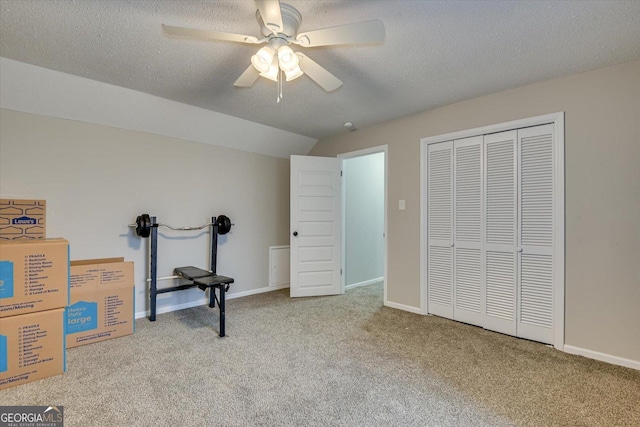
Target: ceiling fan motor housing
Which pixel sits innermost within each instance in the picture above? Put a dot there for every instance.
(291, 20)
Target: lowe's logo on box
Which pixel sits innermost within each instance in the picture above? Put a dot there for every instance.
(24, 220)
(82, 316)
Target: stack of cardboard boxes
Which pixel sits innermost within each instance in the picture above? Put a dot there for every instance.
(34, 291)
(48, 304)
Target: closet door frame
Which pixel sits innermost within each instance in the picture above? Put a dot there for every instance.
(557, 119)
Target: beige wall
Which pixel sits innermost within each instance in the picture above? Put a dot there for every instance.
(96, 179)
(602, 161)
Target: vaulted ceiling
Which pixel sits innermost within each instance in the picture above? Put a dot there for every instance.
(435, 52)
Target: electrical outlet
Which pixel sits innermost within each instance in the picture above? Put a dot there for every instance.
(401, 205)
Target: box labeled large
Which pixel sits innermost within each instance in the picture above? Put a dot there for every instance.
(22, 219)
(32, 347)
(34, 276)
(102, 301)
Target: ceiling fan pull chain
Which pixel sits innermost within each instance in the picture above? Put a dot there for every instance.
(279, 86)
(281, 82)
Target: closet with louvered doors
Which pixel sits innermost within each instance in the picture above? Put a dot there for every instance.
(490, 225)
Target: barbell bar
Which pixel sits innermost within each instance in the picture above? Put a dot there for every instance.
(143, 225)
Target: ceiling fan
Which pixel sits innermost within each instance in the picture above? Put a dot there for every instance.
(279, 24)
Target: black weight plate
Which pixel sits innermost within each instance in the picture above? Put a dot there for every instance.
(224, 224)
(146, 231)
(139, 224)
(143, 225)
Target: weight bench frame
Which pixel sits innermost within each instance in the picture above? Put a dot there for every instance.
(203, 279)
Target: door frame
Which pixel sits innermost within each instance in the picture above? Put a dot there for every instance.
(359, 153)
(557, 119)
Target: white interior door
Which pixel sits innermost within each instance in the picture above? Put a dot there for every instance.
(500, 231)
(468, 289)
(440, 228)
(536, 237)
(316, 226)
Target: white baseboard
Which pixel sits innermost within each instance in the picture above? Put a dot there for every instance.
(176, 307)
(409, 308)
(365, 283)
(205, 301)
(615, 360)
(257, 291)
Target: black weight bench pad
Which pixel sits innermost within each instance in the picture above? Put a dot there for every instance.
(202, 277)
(191, 272)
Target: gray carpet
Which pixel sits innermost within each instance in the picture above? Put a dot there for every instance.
(329, 361)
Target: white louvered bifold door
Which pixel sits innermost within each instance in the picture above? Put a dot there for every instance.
(468, 292)
(500, 231)
(535, 246)
(440, 228)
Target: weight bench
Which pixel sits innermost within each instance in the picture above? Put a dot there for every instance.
(147, 226)
(207, 280)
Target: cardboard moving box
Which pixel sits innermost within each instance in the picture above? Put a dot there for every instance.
(22, 219)
(32, 347)
(102, 301)
(34, 276)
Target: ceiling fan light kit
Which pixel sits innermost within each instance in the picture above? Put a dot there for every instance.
(279, 24)
(293, 74)
(287, 60)
(272, 71)
(263, 59)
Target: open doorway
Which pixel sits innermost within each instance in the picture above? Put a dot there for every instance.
(364, 227)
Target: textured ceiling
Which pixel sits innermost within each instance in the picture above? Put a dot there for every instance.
(435, 53)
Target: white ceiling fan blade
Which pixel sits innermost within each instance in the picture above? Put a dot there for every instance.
(271, 14)
(358, 32)
(248, 77)
(209, 34)
(325, 79)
